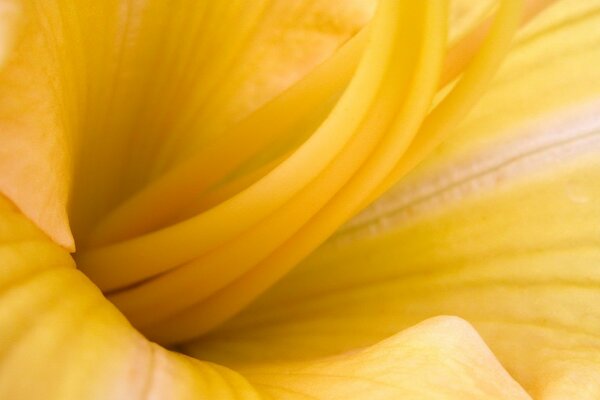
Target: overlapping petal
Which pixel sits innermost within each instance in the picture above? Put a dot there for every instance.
(61, 339)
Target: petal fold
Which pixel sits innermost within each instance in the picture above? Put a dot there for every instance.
(61, 339)
(441, 358)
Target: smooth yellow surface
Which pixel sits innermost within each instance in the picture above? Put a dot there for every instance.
(197, 154)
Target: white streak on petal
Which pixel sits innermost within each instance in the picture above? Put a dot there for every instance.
(540, 146)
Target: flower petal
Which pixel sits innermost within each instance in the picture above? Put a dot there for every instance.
(97, 98)
(500, 227)
(442, 358)
(35, 149)
(60, 339)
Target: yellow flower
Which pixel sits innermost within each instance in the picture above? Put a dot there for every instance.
(300, 199)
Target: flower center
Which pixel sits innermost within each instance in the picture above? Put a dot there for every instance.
(201, 241)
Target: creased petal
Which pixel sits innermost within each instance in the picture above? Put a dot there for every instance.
(60, 339)
(499, 227)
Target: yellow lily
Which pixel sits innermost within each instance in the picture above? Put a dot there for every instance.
(307, 199)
